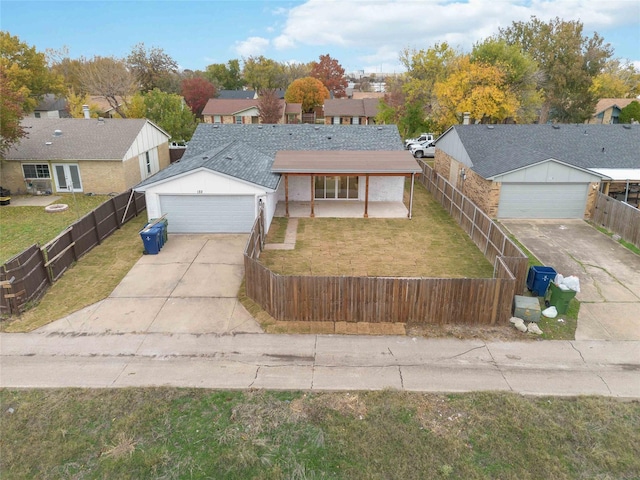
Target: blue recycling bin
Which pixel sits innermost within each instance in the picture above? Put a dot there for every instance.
(151, 239)
(538, 279)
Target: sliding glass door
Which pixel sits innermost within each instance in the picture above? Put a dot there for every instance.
(336, 188)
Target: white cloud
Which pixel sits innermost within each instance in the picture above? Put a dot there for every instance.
(251, 46)
(380, 29)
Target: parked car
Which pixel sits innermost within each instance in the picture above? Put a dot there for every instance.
(425, 137)
(424, 149)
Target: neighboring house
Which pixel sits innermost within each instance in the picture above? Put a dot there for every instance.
(345, 111)
(245, 111)
(103, 105)
(538, 171)
(84, 155)
(244, 94)
(229, 171)
(51, 107)
(608, 110)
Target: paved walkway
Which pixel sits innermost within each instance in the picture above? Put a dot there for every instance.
(609, 274)
(320, 362)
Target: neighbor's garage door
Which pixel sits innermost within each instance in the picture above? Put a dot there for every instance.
(542, 200)
(208, 213)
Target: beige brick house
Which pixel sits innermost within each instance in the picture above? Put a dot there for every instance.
(244, 111)
(348, 111)
(538, 171)
(101, 156)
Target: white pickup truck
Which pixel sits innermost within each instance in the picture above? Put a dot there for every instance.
(425, 137)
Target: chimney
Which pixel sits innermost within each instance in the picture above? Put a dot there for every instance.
(465, 118)
(85, 110)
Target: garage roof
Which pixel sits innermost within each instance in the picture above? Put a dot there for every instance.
(498, 149)
(234, 159)
(345, 161)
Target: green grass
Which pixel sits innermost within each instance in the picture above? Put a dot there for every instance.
(431, 244)
(98, 272)
(21, 227)
(624, 243)
(277, 230)
(187, 433)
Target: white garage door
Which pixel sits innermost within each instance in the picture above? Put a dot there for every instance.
(542, 200)
(208, 213)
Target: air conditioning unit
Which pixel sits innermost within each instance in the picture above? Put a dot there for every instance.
(38, 186)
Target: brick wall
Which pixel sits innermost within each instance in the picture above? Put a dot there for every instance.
(11, 177)
(484, 193)
(102, 177)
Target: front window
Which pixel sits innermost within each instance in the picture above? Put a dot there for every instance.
(148, 162)
(355, 121)
(336, 120)
(336, 188)
(36, 171)
(217, 119)
(238, 119)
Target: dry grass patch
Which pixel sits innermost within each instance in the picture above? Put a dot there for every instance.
(429, 245)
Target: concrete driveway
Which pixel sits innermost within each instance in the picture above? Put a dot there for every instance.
(191, 286)
(609, 274)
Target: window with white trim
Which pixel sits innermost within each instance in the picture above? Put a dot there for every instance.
(148, 162)
(238, 119)
(217, 119)
(336, 120)
(36, 170)
(355, 121)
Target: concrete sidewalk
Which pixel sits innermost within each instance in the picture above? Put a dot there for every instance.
(319, 362)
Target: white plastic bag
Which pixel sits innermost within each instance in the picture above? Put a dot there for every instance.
(551, 312)
(573, 283)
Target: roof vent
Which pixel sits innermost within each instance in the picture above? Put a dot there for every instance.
(57, 133)
(329, 137)
(316, 127)
(628, 127)
(556, 127)
(228, 158)
(490, 127)
(48, 143)
(215, 125)
(602, 149)
(259, 126)
(585, 132)
(274, 125)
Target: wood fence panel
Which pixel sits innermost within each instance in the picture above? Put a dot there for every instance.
(59, 254)
(29, 279)
(617, 217)
(85, 235)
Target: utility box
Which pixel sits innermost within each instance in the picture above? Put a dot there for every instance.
(526, 308)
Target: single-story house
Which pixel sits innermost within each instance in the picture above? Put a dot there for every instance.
(608, 110)
(61, 155)
(346, 111)
(538, 171)
(245, 111)
(229, 172)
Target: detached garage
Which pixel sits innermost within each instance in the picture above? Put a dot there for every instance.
(220, 191)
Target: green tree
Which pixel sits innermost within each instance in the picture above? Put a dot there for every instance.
(152, 67)
(308, 91)
(11, 113)
(26, 71)
(167, 110)
(293, 71)
(630, 113)
(521, 74)
(568, 62)
(262, 73)
(225, 76)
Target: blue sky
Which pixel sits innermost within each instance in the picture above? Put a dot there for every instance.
(361, 34)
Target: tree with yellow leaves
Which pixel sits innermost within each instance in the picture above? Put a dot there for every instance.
(477, 88)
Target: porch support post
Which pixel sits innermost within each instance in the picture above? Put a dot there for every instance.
(366, 198)
(286, 195)
(606, 188)
(413, 177)
(313, 181)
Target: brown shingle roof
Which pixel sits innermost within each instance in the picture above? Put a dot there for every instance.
(80, 139)
(345, 162)
(228, 106)
(606, 103)
(348, 107)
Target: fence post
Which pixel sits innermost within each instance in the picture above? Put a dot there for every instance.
(96, 224)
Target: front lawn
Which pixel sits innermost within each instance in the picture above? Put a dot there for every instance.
(21, 227)
(197, 433)
(431, 244)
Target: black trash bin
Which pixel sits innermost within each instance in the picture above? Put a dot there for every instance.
(5, 196)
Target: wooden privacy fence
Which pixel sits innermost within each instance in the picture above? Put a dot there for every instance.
(617, 217)
(25, 277)
(479, 301)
